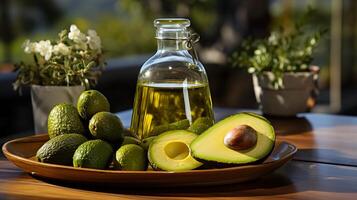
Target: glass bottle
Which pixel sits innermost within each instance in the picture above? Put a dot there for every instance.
(172, 88)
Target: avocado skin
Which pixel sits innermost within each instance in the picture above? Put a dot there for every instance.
(145, 143)
(64, 119)
(130, 140)
(95, 154)
(200, 125)
(60, 150)
(91, 102)
(179, 125)
(151, 162)
(107, 126)
(153, 165)
(258, 116)
(131, 157)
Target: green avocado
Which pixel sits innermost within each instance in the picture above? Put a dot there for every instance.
(200, 125)
(64, 119)
(179, 125)
(95, 154)
(145, 143)
(60, 149)
(91, 102)
(211, 145)
(130, 140)
(170, 151)
(131, 157)
(107, 126)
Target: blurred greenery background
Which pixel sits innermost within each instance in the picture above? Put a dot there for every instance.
(126, 29)
(125, 26)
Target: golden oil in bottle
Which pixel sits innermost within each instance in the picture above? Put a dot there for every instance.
(158, 105)
(172, 90)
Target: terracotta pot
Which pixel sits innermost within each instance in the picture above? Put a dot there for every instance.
(298, 94)
(45, 97)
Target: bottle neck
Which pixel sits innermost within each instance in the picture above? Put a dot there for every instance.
(171, 45)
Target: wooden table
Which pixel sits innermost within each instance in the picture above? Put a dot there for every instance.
(324, 168)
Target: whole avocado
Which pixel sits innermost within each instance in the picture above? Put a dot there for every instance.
(60, 149)
(95, 154)
(107, 126)
(91, 102)
(64, 119)
(131, 157)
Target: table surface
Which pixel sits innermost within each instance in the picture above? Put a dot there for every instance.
(325, 167)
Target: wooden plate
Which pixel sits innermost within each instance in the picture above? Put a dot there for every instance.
(21, 152)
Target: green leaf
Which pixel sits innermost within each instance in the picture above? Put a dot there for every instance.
(282, 51)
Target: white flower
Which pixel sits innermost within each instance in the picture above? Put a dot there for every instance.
(29, 47)
(82, 53)
(273, 38)
(78, 37)
(61, 49)
(44, 48)
(94, 41)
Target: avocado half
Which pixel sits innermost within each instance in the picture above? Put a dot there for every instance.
(170, 151)
(209, 146)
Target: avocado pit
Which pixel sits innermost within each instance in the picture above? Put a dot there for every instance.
(240, 138)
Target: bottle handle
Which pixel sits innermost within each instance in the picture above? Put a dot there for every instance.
(192, 39)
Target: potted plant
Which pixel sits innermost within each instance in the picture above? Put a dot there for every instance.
(284, 81)
(60, 71)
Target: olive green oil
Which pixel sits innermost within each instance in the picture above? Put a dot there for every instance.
(160, 107)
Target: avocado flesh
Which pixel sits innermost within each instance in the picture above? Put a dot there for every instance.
(170, 151)
(209, 146)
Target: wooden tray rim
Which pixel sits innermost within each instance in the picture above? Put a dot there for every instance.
(38, 138)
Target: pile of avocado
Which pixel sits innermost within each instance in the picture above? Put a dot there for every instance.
(89, 136)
